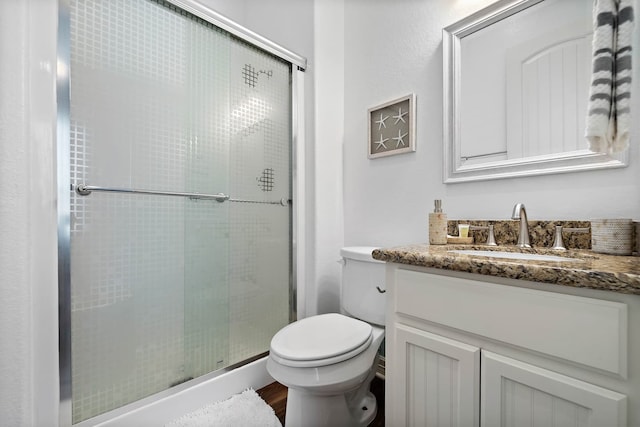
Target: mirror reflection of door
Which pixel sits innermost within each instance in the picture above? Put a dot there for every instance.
(527, 93)
(547, 92)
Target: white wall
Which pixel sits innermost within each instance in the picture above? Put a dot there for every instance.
(15, 295)
(324, 290)
(28, 262)
(395, 48)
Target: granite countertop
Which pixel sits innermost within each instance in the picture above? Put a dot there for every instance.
(590, 270)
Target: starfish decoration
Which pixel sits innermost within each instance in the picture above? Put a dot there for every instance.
(400, 116)
(381, 142)
(381, 122)
(400, 138)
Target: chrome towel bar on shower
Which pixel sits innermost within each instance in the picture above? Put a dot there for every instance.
(85, 190)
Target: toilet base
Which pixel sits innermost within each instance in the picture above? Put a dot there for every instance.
(307, 410)
(356, 408)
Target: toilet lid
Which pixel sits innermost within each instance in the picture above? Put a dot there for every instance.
(325, 336)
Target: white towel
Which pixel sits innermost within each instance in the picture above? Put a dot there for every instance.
(623, 75)
(600, 129)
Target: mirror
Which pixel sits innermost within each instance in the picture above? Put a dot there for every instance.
(516, 86)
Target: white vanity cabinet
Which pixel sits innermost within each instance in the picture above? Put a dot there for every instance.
(470, 350)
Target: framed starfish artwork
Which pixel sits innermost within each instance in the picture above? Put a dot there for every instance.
(392, 128)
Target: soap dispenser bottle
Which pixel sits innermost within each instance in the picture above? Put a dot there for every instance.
(438, 225)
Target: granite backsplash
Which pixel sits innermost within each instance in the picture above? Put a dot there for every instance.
(541, 233)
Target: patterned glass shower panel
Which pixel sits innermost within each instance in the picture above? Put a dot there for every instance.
(166, 289)
(149, 279)
(260, 169)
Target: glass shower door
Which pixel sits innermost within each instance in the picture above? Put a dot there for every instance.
(169, 288)
(149, 279)
(260, 180)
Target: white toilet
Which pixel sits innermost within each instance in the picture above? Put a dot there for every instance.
(328, 361)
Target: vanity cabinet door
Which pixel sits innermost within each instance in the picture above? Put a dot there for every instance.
(515, 393)
(436, 381)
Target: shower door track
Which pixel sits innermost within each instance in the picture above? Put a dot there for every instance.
(63, 126)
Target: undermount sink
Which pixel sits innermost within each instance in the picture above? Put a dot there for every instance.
(513, 255)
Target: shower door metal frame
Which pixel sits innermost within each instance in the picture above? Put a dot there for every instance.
(298, 154)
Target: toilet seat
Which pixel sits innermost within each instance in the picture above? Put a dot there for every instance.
(320, 340)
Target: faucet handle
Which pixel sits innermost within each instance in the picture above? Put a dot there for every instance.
(558, 243)
(491, 239)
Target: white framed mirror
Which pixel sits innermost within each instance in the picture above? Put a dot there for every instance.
(516, 81)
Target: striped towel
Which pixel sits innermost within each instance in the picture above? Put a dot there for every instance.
(623, 75)
(608, 119)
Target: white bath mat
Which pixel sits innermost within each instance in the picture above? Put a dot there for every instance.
(246, 409)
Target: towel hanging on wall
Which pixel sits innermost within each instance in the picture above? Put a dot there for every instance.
(608, 120)
(623, 75)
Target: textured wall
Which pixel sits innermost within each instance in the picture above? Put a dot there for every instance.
(15, 324)
(395, 48)
(28, 284)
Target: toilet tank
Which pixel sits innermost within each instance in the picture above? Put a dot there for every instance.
(363, 284)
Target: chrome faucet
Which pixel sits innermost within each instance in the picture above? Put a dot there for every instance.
(519, 212)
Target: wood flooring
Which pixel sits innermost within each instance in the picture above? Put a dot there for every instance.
(275, 394)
